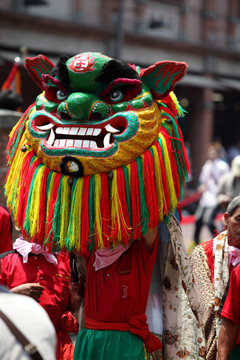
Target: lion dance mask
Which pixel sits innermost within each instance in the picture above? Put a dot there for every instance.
(99, 158)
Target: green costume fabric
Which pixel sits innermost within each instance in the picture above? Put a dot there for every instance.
(235, 355)
(113, 346)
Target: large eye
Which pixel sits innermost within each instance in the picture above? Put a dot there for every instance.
(116, 95)
(61, 95)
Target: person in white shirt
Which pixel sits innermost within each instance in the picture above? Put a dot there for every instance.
(208, 206)
(32, 320)
(229, 184)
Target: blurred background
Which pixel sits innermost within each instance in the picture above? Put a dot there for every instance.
(204, 33)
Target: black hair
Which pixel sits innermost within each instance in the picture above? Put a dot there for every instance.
(60, 71)
(115, 69)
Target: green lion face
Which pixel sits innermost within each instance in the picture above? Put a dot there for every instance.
(96, 113)
(99, 158)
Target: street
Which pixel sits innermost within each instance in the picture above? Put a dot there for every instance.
(188, 224)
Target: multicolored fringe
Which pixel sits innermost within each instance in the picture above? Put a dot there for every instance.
(96, 211)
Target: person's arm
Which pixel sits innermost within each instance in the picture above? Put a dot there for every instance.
(227, 339)
(77, 294)
(77, 282)
(149, 239)
(34, 290)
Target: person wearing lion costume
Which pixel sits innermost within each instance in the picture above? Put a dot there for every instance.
(95, 165)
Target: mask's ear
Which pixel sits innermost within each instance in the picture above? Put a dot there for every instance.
(162, 77)
(37, 66)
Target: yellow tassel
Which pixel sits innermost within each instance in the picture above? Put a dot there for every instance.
(116, 209)
(129, 175)
(74, 233)
(65, 207)
(115, 206)
(48, 199)
(158, 181)
(12, 184)
(35, 202)
(20, 181)
(176, 103)
(167, 164)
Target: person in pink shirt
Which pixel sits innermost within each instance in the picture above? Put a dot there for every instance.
(30, 270)
(228, 343)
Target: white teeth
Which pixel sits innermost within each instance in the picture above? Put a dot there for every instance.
(45, 127)
(75, 143)
(93, 144)
(106, 141)
(65, 130)
(78, 143)
(69, 142)
(59, 130)
(85, 143)
(51, 138)
(111, 129)
(89, 131)
(78, 131)
(96, 132)
(73, 131)
(59, 143)
(82, 131)
(62, 142)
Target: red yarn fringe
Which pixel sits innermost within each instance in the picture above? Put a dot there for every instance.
(52, 204)
(173, 163)
(42, 209)
(85, 231)
(105, 210)
(125, 226)
(135, 202)
(28, 182)
(22, 203)
(166, 200)
(150, 189)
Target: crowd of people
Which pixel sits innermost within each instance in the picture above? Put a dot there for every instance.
(218, 183)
